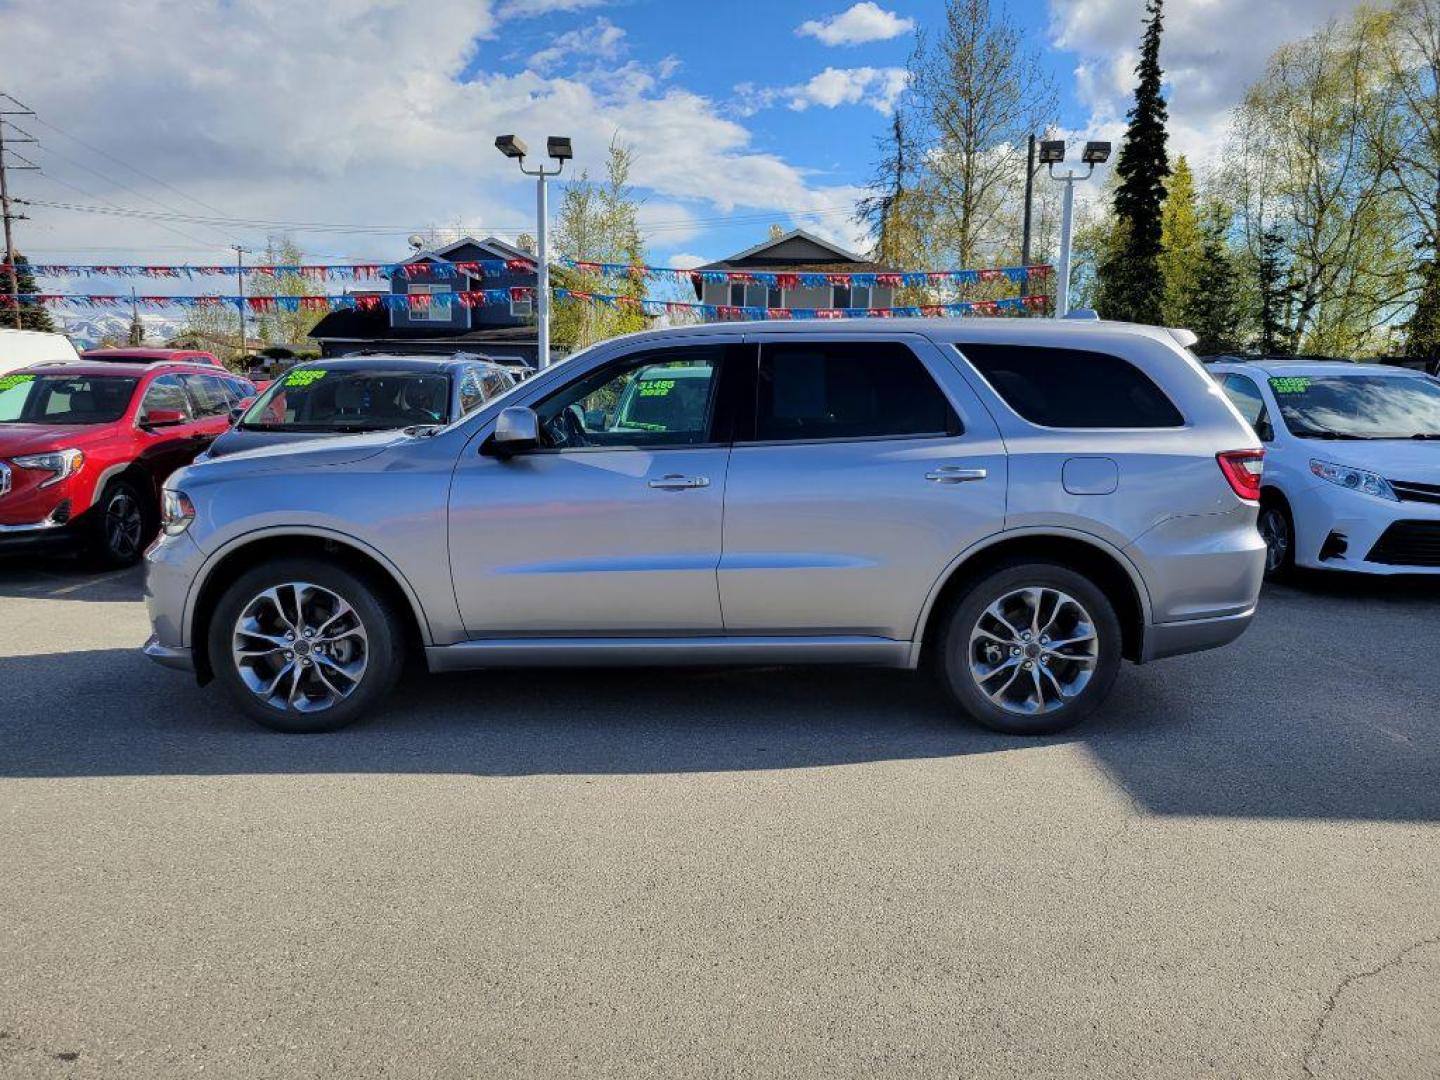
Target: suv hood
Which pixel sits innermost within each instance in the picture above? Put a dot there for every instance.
(1394, 459)
(320, 453)
(17, 440)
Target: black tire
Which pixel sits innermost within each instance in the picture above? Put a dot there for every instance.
(954, 654)
(1277, 529)
(381, 632)
(122, 523)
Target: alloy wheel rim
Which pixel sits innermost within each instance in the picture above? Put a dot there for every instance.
(300, 647)
(1033, 651)
(123, 524)
(1276, 536)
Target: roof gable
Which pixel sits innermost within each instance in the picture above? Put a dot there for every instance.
(796, 246)
(468, 249)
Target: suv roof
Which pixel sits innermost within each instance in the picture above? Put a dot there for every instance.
(142, 355)
(397, 362)
(133, 368)
(1293, 365)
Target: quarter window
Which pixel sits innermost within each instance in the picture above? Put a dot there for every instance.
(209, 394)
(847, 390)
(1073, 388)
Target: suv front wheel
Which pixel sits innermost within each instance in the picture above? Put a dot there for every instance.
(304, 646)
(1031, 649)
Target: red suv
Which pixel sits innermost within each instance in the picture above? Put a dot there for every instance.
(84, 449)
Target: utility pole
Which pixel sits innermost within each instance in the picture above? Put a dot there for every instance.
(240, 289)
(1030, 170)
(12, 275)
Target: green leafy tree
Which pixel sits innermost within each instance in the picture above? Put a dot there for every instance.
(599, 222)
(284, 327)
(1132, 286)
(33, 315)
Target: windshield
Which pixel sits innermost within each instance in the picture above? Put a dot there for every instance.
(64, 399)
(1359, 406)
(314, 399)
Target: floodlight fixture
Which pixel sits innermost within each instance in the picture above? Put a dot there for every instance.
(1052, 151)
(512, 146)
(558, 147)
(1096, 153)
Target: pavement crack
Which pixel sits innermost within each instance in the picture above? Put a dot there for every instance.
(1349, 981)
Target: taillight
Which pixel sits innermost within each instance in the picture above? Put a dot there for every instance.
(1243, 468)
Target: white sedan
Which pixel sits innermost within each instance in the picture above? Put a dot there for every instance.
(1352, 462)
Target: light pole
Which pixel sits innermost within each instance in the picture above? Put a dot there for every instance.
(1052, 153)
(559, 150)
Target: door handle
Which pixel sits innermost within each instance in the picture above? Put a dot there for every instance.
(676, 482)
(955, 474)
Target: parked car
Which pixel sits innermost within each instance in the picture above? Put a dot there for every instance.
(1352, 475)
(22, 348)
(363, 393)
(84, 448)
(1022, 503)
(139, 355)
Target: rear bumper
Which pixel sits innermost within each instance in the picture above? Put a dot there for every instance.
(1193, 635)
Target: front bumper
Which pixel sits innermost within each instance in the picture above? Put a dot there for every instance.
(44, 535)
(171, 565)
(171, 656)
(1320, 509)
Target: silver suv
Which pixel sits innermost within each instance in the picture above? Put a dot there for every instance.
(1019, 503)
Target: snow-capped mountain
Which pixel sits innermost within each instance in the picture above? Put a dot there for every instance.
(88, 329)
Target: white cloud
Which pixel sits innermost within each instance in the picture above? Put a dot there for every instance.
(525, 9)
(1211, 51)
(601, 40)
(348, 113)
(866, 21)
(879, 88)
(686, 261)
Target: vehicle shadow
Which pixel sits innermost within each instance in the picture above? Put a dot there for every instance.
(1277, 731)
(68, 579)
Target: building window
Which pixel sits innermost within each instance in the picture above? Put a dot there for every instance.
(522, 309)
(850, 296)
(742, 295)
(438, 309)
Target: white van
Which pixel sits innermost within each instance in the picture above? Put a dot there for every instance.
(21, 348)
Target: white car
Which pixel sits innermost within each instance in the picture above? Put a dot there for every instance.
(1352, 462)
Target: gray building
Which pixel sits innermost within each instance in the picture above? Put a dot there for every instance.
(797, 260)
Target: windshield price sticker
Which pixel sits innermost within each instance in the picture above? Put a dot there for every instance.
(656, 387)
(9, 382)
(1293, 384)
(303, 378)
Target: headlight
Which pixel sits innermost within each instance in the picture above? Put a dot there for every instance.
(176, 512)
(59, 464)
(1355, 479)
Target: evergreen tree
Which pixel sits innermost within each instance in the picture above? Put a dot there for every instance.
(1131, 285)
(1423, 339)
(33, 315)
(1213, 306)
(1276, 294)
(1182, 247)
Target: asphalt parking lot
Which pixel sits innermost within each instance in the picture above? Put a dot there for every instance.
(1235, 871)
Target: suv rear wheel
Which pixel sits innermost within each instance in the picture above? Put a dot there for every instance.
(303, 646)
(1031, 649)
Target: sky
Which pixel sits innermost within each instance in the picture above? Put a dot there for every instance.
(376, 118)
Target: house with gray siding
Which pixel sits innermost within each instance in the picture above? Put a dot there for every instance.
(442, 324)
(789, 257)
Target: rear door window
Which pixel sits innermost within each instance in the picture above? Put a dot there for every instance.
(211, 396)
(166, 392)
(817, 390)
(1072, 388)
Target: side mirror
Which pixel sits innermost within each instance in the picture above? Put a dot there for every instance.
(516, 430)
(240, 408)
(163, 418)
